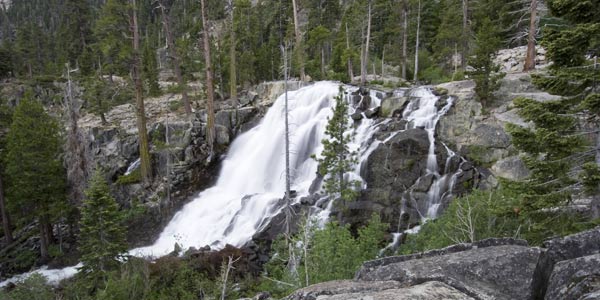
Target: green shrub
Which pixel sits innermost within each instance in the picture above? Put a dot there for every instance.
(134, 177)
(35, 287)
(175, 105)
(333, 253)
(497, 213)
(480, 215)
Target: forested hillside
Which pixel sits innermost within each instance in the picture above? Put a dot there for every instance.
(261, 148)
(39, 37)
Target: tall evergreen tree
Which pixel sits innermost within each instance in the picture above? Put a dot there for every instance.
(174, 53)
(35, 175)
(486, 73)
(102, 236)
(5, 121)
(150, 69)
(140, 112)
(210, 94)
(111, 32)
(337, 159)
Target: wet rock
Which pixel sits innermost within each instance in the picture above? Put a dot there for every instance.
(424, 183)
(496, 272)
(372, 112)
(357, 116)
(393, 106)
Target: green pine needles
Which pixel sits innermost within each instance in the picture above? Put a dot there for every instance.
(486, 73)
(336, 158)
(102, 237)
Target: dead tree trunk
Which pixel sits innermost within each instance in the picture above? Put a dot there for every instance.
(365, 52)
(404, 38)
(350, 68)
(210, 93)
(172, 51)
(415, 77)
(465, 34)
(145, 167)
(298, 46)
(530, 58)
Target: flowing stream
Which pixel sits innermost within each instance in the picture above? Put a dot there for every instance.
(251, 182)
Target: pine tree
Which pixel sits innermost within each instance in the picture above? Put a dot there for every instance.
(140, 112)
(174, 54)
(336, 159)
(102, 235)
(210, 95)
(35, 175)
(150, 70)
(110, 31)
(5, 120)
(486, 74)
(560, 159)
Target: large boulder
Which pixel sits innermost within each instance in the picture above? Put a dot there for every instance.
(377, 290)
(496, 272)
(393, 106)
(562, 249)
(389, 171)
(577, 278)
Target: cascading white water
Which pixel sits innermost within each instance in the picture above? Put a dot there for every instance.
(422, 112)
(252, 181)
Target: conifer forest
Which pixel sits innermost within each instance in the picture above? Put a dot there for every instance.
(299, 149)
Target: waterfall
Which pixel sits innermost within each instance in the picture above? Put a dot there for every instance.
(252, 182)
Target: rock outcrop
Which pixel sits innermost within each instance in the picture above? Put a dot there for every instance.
(378, 290)
(488, 269)
(481, 136)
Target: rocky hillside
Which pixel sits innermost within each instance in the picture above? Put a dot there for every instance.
(179, 152)
(564, 268)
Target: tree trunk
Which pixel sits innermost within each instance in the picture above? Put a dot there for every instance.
(44, 238)
(323, 61)
(145, 167)
(465, 34)
(175, 56)
(298, 46)
(383, 63)
(6, 227)
(287, 147)
(232, 64)
(530, 58)
(350, 68)
(417, 43)
(404, 38)
(365, 59)
(210, 94)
